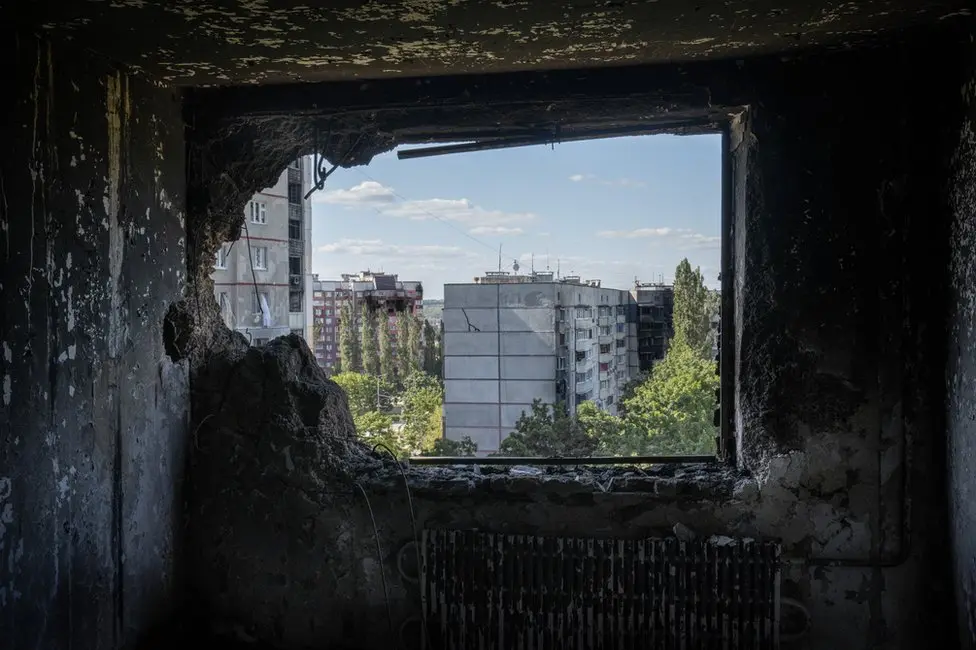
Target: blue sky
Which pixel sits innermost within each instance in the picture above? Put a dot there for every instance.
(605, 209)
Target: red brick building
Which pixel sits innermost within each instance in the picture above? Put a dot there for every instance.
(378, 291)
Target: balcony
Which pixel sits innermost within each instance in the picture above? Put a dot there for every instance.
(604, 321)
(584, 386)
(606, 357)
(295, 212)
(620, 334)
(606, 339)
(621, 318)
(583, 344)
(296, 247)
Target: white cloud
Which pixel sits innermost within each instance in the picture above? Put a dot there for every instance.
(609, 182)
(383, 199)
(368, 193)
(544, 234)
(681, 238)
(458, 210)
(377, 247)
(495, 230)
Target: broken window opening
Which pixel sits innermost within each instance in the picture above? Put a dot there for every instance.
(605, 344)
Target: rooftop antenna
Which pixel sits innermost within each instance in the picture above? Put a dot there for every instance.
(532, 263)
(499, 258)
(547, 259)
(557, 268)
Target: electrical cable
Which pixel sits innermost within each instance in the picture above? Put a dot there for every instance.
(254, 275)
(416, 537)
(379, 559)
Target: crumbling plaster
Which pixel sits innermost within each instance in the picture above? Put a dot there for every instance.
(93, 416)
(838, 319)
(218, 43)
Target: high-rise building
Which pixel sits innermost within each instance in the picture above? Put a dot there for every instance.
(510, 339)
(378, 292)
(263, 281)
(655, 322)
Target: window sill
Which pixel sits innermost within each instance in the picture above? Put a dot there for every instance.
(667, 482)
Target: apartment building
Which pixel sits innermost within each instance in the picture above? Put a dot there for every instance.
(655, 322)
(379, 292)
(263, 281)
(510, 339)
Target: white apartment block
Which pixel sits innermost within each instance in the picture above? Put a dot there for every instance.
(263, 281)
(509, 340)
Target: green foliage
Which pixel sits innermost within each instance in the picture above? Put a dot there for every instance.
(386, 361)
(422, 400)
(374, 427)
(367, 341)
(349, 357)
(445, 447)
(547, 431)
(691, 309)
(361, 390)
(413, 346)
(675, 406)
(404, 368)
(432, 351)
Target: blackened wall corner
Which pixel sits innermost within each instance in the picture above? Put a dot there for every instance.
(93, 417)
(961, 369)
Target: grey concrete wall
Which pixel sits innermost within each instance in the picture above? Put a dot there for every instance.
(93, 418)
(961, 376)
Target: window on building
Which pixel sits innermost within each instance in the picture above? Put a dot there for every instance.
(295, 230)
(328, 321)
(261, 258)
(258, 211)
(260, 299)
(259, 342)
(604, 384)
(605, 348)
(221, 261)
(560, 363)
(294, 193)
(295, 300)
(294, 265)
(604, 367)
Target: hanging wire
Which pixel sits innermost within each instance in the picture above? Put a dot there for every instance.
(416, 537)
(321, 173)
(379, 558)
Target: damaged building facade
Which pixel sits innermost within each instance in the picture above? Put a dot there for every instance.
(161, 481)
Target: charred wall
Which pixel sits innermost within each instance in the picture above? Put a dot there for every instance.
(841, 218)
(961, 371)
(93, 417)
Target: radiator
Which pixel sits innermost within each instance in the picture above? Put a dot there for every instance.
(490, 591)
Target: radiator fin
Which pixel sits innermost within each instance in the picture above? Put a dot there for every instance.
(489, 591)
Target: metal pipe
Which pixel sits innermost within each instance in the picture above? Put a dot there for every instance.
(552, 137)
(558, 460)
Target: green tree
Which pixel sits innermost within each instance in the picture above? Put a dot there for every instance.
(432, 352)
(368, 345)
(422, 402)
(349, 357)
(386, 351)
(373, 427)
(361, 391)
(446, 447)
(548, 431)
(414, 334)
(402, 351)
(691, 309)
(672, 411)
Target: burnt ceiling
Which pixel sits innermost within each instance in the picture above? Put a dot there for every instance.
(225, 42)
